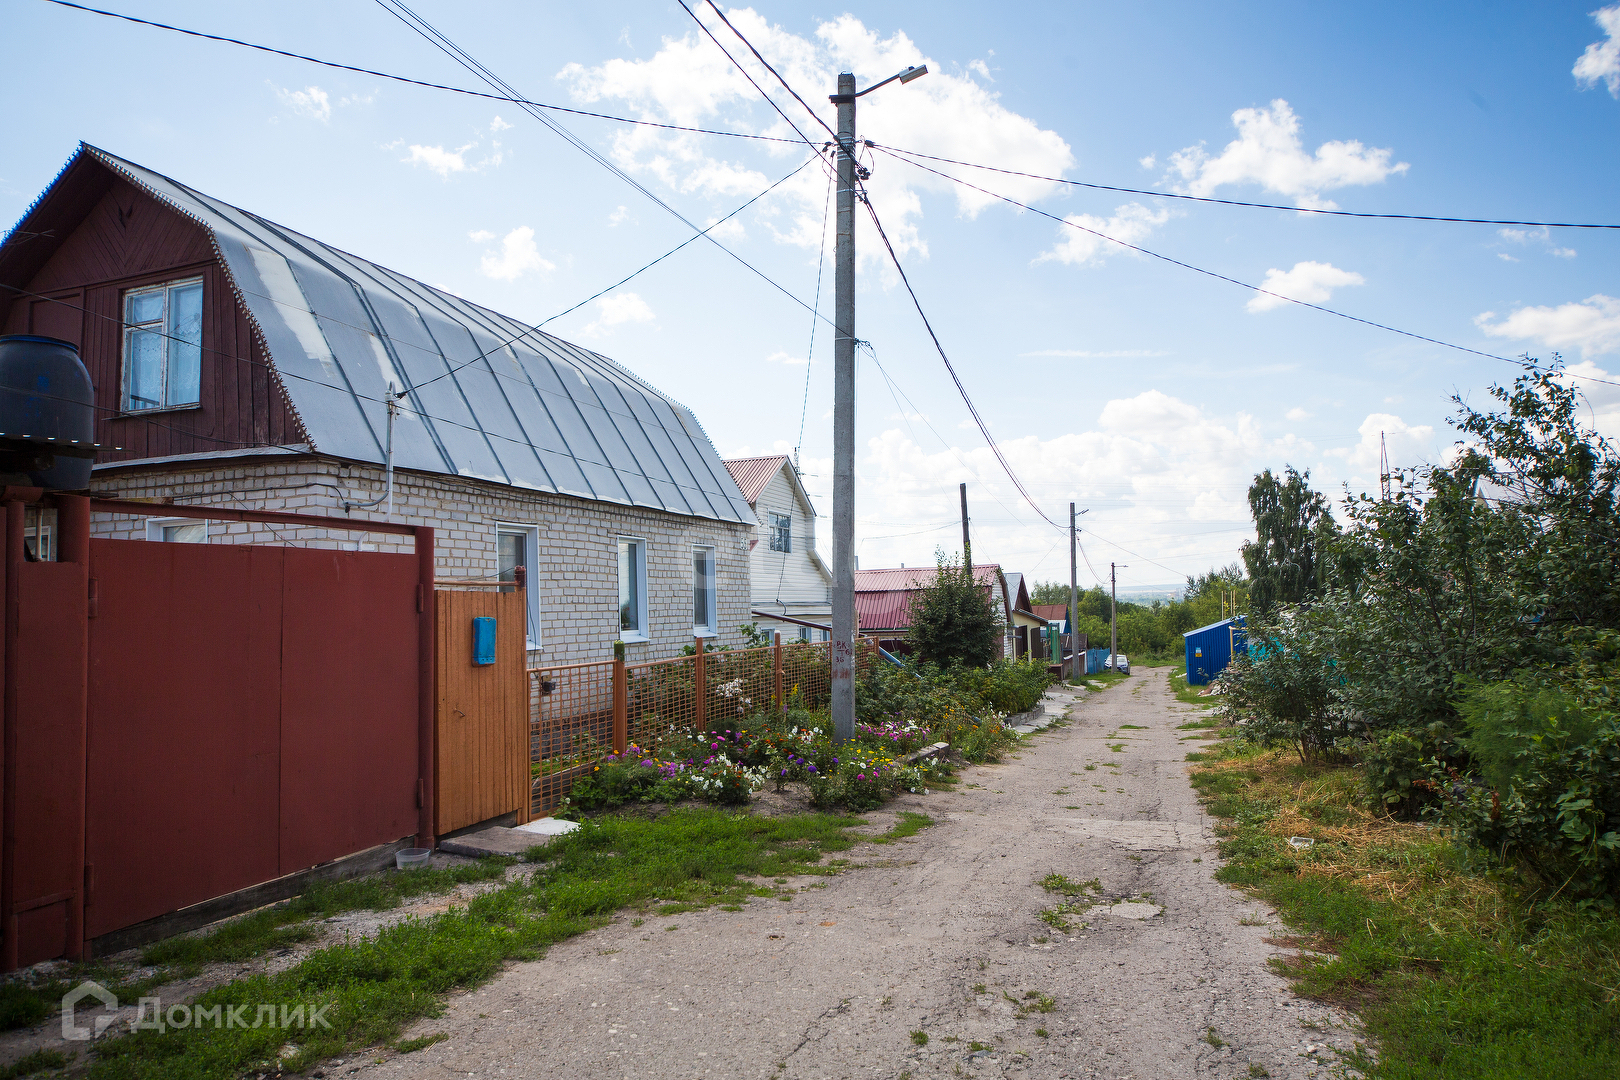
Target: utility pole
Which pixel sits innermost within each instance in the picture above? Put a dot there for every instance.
(967, 545)
(1113, 617)
(842, 646)
(1074, 602)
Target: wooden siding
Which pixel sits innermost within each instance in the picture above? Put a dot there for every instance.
(483, 712)
(792, 577)
(129, 239)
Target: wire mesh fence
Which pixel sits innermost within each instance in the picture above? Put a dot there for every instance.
(576, 716)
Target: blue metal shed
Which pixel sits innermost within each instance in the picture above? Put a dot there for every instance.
(1210, 648)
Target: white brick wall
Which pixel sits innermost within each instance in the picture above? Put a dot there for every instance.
(577, 575)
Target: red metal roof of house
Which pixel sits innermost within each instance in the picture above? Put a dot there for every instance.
(883, 597)
(753, 473)
(1051, 612)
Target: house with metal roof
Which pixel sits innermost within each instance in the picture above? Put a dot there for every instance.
(238, 361)
(883, 601)
(792, 587)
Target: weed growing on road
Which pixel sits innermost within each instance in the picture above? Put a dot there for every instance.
(910, 824)
(1454, 973)
(410, 1046)
(1133, 727)
(1035, 1002)
(1213, 1039)
(920, 1038)
(371, 989)
(1118, 748)
(1042, 1032)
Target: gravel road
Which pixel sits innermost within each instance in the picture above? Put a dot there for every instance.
(1165, 975)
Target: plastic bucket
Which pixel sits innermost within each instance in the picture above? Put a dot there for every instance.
(411, 858)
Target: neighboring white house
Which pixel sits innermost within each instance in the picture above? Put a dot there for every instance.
(789, 579)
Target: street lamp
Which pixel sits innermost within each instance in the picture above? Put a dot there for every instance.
(842, 645)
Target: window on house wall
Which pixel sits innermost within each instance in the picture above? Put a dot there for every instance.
(632, 589)
(163, 345)
(515, 546)
(704, 620)
(781, 526)
(177, 530)
(39, 534)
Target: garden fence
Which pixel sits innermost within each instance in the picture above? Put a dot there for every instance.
(581, 713)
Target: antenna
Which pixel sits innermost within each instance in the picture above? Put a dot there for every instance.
(1383, 466)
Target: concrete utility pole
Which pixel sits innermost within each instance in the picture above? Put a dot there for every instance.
(1074, 601)
(842, 645)
(967, 545)
(1113, 618)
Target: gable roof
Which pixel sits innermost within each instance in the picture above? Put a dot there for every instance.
(1051, 612)
(753, 473)
(491, 398)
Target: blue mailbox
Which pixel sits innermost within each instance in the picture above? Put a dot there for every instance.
(483, 640)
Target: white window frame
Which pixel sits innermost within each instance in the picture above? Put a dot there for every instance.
(163, 325)
(639, 554)
(154, 530)
(784, 536)
(712, 587)
(531, 592)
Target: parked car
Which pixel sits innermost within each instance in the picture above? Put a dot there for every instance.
(1123, 663)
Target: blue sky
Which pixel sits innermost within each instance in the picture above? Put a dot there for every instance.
(1149, 393)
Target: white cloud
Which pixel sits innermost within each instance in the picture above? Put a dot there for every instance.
(619, 216)
(1148, 162)
(1268, 151)
(311, 101)
(518, 255)
(616, 310)
(498, 124)
(731, 229)
(1131, 223)
(780, 357)
(1407, 444)
(1601, 60)
(357, 99)
(688, 81)
(481, 236)
(437, 158)
(1591, 325)
(980, 68)
(1505, 257)
(1562, 253)
(1312, 282)
(1541, 236)
(1602, 397)
(1296, 414)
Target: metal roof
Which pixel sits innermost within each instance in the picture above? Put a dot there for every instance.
(527, 409)
(883, 597)
(1051, 612)
(753, 473)
(1213, 626)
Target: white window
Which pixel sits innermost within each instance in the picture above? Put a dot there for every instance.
(632, 589)
(515, 546)
(781, 526)
(177, 530)
(704, 621)
(163, 345)
(39, 534)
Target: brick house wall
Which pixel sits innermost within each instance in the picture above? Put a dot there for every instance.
(577, 575)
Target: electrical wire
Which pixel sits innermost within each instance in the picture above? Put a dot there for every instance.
(1222, 277)
(724, 51)
(509, 98)
(1239, 202)
(813, 114)
(809, 356)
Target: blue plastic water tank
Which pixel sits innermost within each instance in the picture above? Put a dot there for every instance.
(47, 414)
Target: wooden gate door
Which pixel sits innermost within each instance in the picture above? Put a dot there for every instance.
(483, 714)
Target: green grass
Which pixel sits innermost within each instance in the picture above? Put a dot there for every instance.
(372, 989)
(919, 1038)
(910, 824)
(1188, 694)
(1104, 679)
(1453, 975)
(411, 1046)
(37, 1062)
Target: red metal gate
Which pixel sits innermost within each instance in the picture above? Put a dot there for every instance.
(183, 721)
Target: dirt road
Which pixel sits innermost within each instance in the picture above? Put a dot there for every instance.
(1164, 976)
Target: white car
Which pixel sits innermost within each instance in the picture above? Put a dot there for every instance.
(1124, 663)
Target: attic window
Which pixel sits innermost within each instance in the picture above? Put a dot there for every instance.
(163, 345)
(781, 526)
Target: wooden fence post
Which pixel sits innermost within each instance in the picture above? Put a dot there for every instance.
(776, 675)
(621, 701)
(700, 687)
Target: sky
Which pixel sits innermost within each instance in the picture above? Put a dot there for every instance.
(1146, 392)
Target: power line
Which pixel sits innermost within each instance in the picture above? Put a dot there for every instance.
(1239, 202)
(810, 355)
(510, 99)
(1218, 276)
(813, 114)
(768, 99)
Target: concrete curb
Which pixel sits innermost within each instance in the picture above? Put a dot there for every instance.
(936, 750)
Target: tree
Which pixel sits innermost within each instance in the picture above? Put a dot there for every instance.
(1230, 578)
(955, 620)
(1292, 526)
